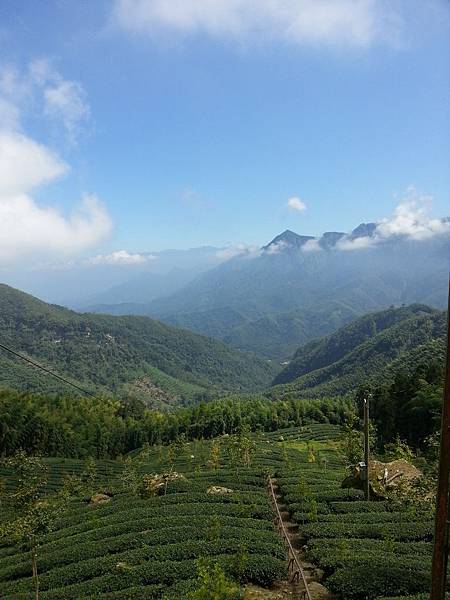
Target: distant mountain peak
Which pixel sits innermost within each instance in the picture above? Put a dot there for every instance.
(288, 239)
(330, 238)
(363, 230)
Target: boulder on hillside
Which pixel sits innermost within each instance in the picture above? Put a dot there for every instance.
(155, 485)
(97, 499)
(382, 477)
(218, 490)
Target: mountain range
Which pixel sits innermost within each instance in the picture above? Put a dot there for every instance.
(297, 288)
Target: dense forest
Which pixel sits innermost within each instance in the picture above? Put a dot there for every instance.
(408, 407)
(373, 348)
(102, 427)
(119, 355)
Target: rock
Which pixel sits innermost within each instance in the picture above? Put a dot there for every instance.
(319, 592)
(97, 499)
(218, 490)
(383, 476)
(154, 485)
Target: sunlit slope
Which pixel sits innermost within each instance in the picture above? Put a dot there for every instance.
(376, 345)
(135, 547)
(121, 355)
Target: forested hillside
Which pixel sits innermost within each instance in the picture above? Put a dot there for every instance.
(370, 350)
(119, 355)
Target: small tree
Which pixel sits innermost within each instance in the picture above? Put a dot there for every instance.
(129, 476)
(239, 563)
(284, 453)
(311, 454)
(213, 583)
(313, 511)
(214, 455)
(399, 449)
(214, 528)
(303, 490)
(351, 441)
(240, 450)
(89, 475)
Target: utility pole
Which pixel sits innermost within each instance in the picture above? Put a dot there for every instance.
(366, 447)
(441, 546)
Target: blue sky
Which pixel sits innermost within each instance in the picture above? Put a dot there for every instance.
(194, 123)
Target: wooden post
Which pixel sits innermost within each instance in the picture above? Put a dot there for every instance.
(440, 553)
(366, 447)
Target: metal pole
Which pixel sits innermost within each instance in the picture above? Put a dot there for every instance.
(440, 553)
(366, 448)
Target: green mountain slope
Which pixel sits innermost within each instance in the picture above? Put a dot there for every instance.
(122, 355)
(378, 344)
(274, 300)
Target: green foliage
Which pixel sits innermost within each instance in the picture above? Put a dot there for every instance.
(34, 514)
(124, 356)
(373, 348)
(135, 547)
(103, 428)
(399, 449)
(365, 549)
(407, 410)
(351, 444)
(213, 584)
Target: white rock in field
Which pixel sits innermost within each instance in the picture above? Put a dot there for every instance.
(217, 490)
(100, 499)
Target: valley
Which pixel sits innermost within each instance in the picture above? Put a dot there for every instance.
(224, 300)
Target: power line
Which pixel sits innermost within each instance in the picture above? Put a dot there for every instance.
(45, 370)
(66, 381)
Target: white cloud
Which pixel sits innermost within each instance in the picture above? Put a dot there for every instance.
(121, 258)
(64, 100)
(411, 220)
(25, 164)
(237, 250)
(40, 85)
(296, 204)
(276, 247)
(348, 243)
(30, 231)
(358, 23)
(311, 246)
(9, 115)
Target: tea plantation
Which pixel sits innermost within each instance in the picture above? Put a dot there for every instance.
(366, 550)
(149, 547)
(133, 547)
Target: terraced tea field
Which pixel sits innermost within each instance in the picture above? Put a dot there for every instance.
(134, 547)
(366, 550)
(148, 548)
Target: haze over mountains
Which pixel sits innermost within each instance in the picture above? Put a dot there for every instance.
(296, 288)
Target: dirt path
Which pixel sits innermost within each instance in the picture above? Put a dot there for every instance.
(286, 589)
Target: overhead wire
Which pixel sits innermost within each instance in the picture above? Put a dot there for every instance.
(63, 379)
(46, 370)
